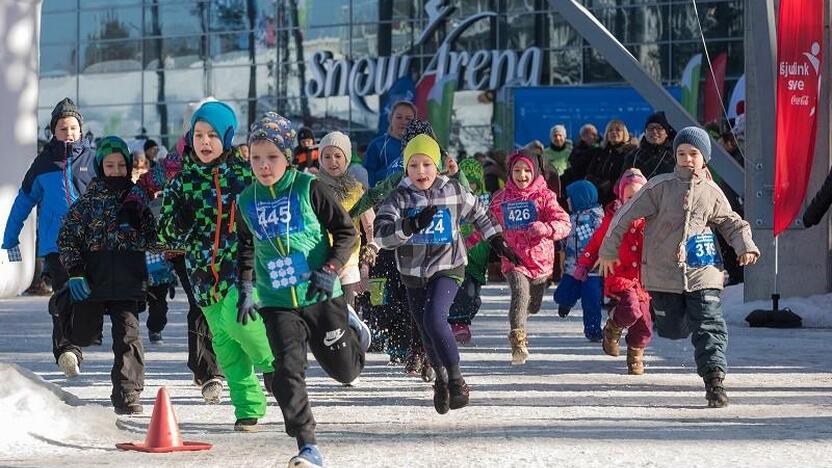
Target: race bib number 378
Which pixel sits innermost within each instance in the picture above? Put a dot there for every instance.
(701, 250)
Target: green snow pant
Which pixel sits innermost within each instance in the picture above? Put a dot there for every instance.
(240, 349)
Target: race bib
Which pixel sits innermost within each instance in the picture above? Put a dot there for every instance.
(278, 217)
(518, 215)
(701, 250)
(440, 230)
(287, 271)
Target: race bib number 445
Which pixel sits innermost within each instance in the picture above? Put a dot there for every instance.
(518, 214)
(277, 217)
(440, 230)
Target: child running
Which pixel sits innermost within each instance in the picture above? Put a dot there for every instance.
(296, 237)
(586, 217)
(105, 259)
(679, 256)
(421, 219)
(532, 222)
(198, 211)
(631, 303)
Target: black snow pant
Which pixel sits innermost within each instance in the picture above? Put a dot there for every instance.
(127, 374)
(60, 307)
(201, 358)
(157, 307)
(323, 328)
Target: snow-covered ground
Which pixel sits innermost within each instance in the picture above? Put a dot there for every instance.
(569, 406)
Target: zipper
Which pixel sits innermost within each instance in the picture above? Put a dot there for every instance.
(216, 248)
(231, 217)
(66, 178)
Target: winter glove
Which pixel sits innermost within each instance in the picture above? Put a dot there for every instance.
(79, 289)
(130, 215)
(245, 303)
(368, 255)
(322, 282)
(537, 230)
(581, 273)
(498, 244)
(14, 254)
(413, 224)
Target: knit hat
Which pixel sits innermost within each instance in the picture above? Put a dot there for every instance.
(277, 129)
(305, 133)
(419, 127)
(696, 137)
(661, 119)
(557, 129)
(150, 144)
(423, 144)
(629, 177)
(338, 140)
(532, 162)
(474, 172)
(107, 146)
(583, 195)
(221, 117)
(65, 108)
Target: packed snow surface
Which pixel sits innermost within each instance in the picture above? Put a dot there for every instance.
(569, 406)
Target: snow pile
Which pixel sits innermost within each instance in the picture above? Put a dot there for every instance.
(816, 311)
(37, 416)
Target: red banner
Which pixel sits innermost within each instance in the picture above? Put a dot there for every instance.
(799, 65)
(715, 89)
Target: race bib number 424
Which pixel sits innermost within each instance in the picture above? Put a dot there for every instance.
(440, 230)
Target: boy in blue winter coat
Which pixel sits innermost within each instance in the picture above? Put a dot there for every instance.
(56, 179)
(586, 217)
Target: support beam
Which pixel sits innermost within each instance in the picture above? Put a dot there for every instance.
(624, 63)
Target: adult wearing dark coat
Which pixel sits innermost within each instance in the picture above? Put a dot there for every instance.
(654, 154)
(608, 162)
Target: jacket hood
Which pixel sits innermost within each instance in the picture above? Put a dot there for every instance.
(538, 184)
(55, 148)
(583, 195)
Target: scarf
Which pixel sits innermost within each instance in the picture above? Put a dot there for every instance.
(341, 186)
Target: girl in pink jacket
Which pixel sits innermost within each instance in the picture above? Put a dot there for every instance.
(532, 222)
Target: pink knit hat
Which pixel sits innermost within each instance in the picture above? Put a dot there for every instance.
(629, 177)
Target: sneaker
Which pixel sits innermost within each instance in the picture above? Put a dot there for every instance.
(68, 362)
(413, 364)
(563, 311)
(212, 391)
(308, 457)
(458, 391)
(462, 333)
(246, 425)
(156, 337)
(441, 397)
(365, 337)
(128, 409)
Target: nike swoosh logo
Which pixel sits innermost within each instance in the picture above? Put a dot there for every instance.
(333, 337)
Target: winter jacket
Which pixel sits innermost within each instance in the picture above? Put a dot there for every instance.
(383, 158)
(652, 159)
(627, 275)
(478, 250)
(579, 160)
(819, 204)
(605, 167)
(439, 248)
(54, 181)
(109, 255)
(516, 209)
(679, 245)
(558, 158)
(210, 244)
(585, 219)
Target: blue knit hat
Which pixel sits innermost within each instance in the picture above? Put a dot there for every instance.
(221, 117)
(696, 137)
(107, 146)
(583, 195)
(277, 129)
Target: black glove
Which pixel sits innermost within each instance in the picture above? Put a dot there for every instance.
(413, 224)
(130, 215)
(185, 218)
(322, 282)
(245, 303)
(503, 250)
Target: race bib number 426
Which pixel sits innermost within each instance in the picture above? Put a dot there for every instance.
(518, 214)
(277, 217)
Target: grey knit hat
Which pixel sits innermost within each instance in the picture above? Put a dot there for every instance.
(695, 137)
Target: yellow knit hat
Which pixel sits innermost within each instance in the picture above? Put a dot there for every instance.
(423, 144)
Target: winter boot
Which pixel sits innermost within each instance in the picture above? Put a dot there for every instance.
(563, 311)
(519, 346)
(428, 374)
(458, 391)
(156, 338)
(68, 362)
(246, 425)
(612, 335)
(715, 388)
(308, 457)
(635, 361)
(128, 405)
(212, 391)
(462, 333)
(441, 395)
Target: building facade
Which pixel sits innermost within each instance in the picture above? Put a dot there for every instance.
(134, 65)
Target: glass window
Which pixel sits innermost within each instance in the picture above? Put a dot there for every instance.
(229, 15)
(86, 4)
(519, 33)
(58, 60)
(111, 56)
(597, 69)
(53, 89)
(59, 28)
(718, 20)
(109, 88)
(174, 19)
(561, 34)
(50, 6)
(404, 36)
(183, 85)
(468, 8)
(405, 9)
(124, 121)
(364, 11)
(230, 49)
(177, 52)
(233, 83)
(566, 66)
(111, 23)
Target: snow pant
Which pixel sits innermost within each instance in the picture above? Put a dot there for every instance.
(202, 360)
(633, 314)
(157, 307)
(526, 298)
(240, 349)
(697, 314)
(60, 307)
(429, 306)
(324, 329)
(568, 292)
(84, 328)
(388, 315)
(466, 303)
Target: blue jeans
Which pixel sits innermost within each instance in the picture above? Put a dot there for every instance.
(590, 292)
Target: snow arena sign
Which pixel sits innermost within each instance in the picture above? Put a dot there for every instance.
(479, 70)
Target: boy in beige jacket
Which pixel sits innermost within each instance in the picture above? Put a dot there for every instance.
(679, 257)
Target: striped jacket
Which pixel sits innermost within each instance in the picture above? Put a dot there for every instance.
(439, 247)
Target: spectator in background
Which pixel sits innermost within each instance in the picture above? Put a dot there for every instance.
(140, 164)
(608, 162)
(306, 153)
(654, 155)
(579, 158)
(729, 142)
(384, 154)
(151, 150)
(557, 154)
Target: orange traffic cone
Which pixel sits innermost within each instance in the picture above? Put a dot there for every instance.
(163, 433)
